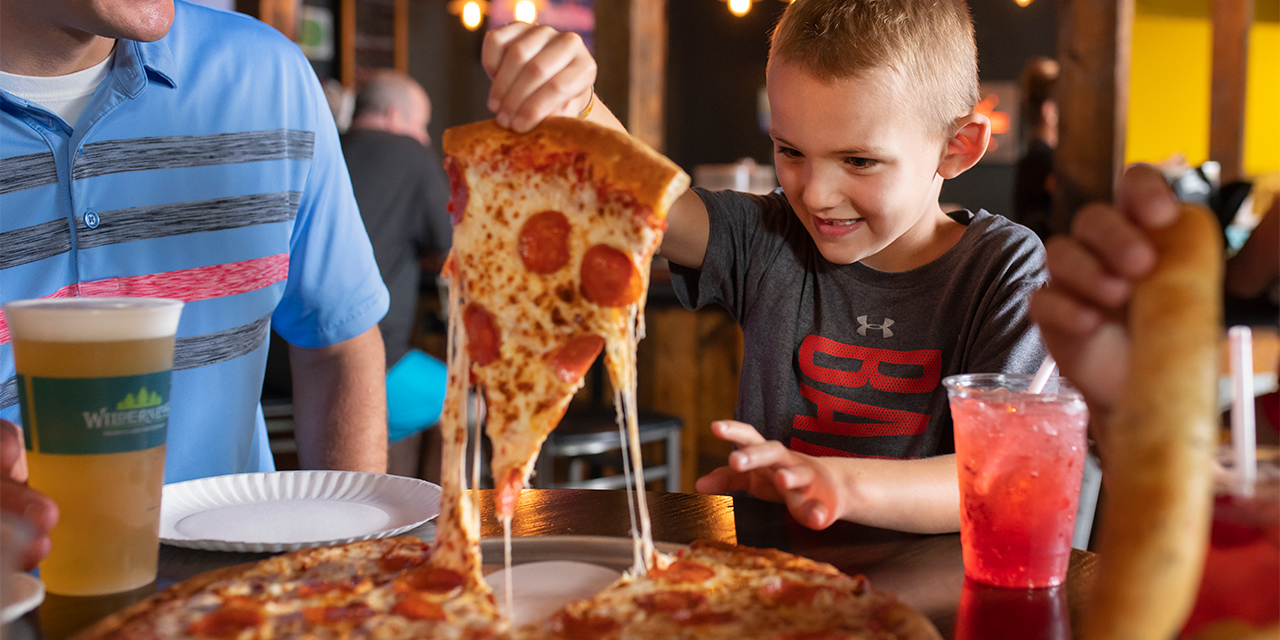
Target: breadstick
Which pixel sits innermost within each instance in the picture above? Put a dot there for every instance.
(1160, 441)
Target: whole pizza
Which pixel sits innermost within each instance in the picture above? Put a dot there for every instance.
(389, 589)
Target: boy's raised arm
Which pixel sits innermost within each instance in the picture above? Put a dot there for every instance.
(538, 72)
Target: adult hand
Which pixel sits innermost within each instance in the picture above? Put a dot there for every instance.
(1081, 311)
(536, 72)
(37, 509)
(770, 471)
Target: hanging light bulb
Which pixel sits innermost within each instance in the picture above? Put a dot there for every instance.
(472, 12)
(526, 11)
(739, 7)
(1022, 3)
(471, 16)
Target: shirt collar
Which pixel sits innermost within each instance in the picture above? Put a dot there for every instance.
(134, 60)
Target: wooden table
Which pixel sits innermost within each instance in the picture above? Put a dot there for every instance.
(925, 571)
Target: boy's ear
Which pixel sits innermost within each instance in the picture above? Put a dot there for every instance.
(966, 147)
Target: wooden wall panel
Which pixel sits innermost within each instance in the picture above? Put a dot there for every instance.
(1094, 37)
(1231, 22)
(631, 51)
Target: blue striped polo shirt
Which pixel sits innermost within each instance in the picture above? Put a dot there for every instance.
(206, 168)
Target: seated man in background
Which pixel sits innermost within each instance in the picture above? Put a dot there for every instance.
(402, 190)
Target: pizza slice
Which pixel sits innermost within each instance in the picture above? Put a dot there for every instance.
(716, 590)
(554, 231)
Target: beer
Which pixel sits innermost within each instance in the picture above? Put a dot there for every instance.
(93, 376)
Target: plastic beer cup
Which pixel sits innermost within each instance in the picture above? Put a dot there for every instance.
(93, 386)
(1020, 457)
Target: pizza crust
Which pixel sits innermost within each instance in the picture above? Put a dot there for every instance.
(615, 158)
(139, 612)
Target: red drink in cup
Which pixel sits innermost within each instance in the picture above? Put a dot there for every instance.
(1241, 581)
(1020, 457)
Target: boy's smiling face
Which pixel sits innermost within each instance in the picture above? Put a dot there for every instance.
(859, 166)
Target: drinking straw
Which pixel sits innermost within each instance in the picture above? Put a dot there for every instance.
(1243, 428)
(1042, 375)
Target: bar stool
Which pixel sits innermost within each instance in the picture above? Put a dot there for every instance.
(588, 439)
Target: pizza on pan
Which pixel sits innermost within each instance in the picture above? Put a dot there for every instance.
(554, 231)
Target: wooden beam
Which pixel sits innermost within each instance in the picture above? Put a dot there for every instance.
(613, 55)
(1231, 22)
(281, 14)
(1094, 40)
(401, 19)
(648, 72)
(347, 42)
(631, 51)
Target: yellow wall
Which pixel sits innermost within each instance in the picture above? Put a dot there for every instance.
(1169, 89)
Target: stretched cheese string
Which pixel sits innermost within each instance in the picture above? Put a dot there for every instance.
(506, 557)
(621, 420)
(627, 389)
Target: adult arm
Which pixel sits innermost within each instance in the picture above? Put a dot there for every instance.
(33, 508)
(920, 496)
(538, 72)
(340, 404)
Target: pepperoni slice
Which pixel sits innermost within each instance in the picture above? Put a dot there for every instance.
(790, 592)
(571, 628)
(227, 621)
(483, 338)
(544, 242)
(392, 564)
(415, 608)
(352, 613)
(571, 361)
(670, 601)
(609, 277)
(684, 571)
(430, 580)
(459, 193)
(704, 618)
(815, 635)
(320, 587)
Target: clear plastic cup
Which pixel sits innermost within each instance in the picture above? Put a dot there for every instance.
(93, 385)
(1241, 579)
(1020, 457)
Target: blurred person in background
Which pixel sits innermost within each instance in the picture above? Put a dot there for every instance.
(402, 190)
(1033, 175)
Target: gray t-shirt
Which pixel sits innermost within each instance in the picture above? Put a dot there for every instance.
(845, 360)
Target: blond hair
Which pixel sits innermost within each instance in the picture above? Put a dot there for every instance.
(928, 44)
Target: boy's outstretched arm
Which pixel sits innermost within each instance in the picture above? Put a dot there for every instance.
(920, 496)
(1081, 311)
(538, 72)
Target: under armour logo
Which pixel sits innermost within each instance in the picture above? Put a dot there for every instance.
(882, 327)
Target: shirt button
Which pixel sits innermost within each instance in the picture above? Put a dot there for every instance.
(91, 219)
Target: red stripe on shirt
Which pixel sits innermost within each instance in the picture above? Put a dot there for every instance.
(827, 452)
(187, 285)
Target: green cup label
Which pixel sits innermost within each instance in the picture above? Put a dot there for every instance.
(82, 416)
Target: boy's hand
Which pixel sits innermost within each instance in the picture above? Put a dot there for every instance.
(16, 498)
(770, 471)
(536, 72)
(1081, 311)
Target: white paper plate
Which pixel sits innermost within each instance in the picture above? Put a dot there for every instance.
(289, 510)
(22, 593)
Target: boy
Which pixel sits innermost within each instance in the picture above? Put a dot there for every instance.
(855, 292)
